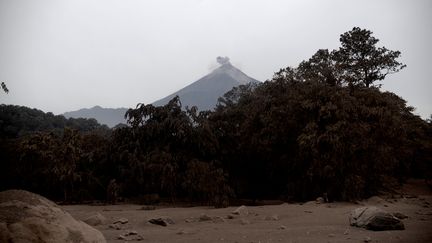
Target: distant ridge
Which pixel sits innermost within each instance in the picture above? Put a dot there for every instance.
(108, 116)
(205, 92)
(202, 93)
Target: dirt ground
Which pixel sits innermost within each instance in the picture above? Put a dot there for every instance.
(307, 222)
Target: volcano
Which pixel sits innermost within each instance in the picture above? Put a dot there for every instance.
(205, 92)
(202, 93)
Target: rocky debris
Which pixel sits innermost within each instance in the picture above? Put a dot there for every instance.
(373, 218)
(273, 217)
(148, 208)
(162, 221)
(95, 220)
(218, 219)
(242, 211)
(115, 226)
(130, 235)
(121, 221)
(205, 217)
(28, 217)
(400, 215)
(190, 220)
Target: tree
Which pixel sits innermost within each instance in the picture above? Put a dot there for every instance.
(361, 61)
(320, 67)
(4, 87)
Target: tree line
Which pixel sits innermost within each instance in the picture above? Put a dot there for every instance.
(321, 128)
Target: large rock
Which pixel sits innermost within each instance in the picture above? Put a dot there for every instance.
(373, 218)
(28, 217)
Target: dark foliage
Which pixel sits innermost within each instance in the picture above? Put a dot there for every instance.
(320, 128)
(17, 121)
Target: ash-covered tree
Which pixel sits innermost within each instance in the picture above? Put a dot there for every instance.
(361, 61)
(321, 67)
(358, 62)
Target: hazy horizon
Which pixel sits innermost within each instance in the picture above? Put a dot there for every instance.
(63, 55)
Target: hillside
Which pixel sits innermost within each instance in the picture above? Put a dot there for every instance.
(107, 116)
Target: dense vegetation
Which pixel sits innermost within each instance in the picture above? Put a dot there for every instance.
(17, 121)
(322, 128)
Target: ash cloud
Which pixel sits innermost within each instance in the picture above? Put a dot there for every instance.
(222, 60)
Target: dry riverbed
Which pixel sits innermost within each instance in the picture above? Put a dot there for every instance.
(308, 222)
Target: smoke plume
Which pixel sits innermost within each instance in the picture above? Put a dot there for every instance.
(222, 60)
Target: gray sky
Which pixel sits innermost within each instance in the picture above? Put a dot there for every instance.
(59, 55)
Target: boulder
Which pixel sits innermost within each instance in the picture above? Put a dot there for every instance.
(95, 220)
(373, 218)
(28, 217)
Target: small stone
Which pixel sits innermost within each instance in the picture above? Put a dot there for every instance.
(230, 217)
(115, 226)
(190, 220)
(367, 239)
(282, 227)
(95, 220)
(204, 217)
(162, 221)
(121, 221)
(218, 219)
(131, 232)
(346, 232)
(331, 235)
(400, 215)
(121, 237)
(242, 210)
(307, 211)
(148, 207)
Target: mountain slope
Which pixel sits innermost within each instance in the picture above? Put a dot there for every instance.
(107, 116)
(205, 92)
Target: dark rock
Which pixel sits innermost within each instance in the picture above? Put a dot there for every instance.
(121, 221)
(162, 221)
(373, 218)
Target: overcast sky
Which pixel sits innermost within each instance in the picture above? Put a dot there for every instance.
(62, 55)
